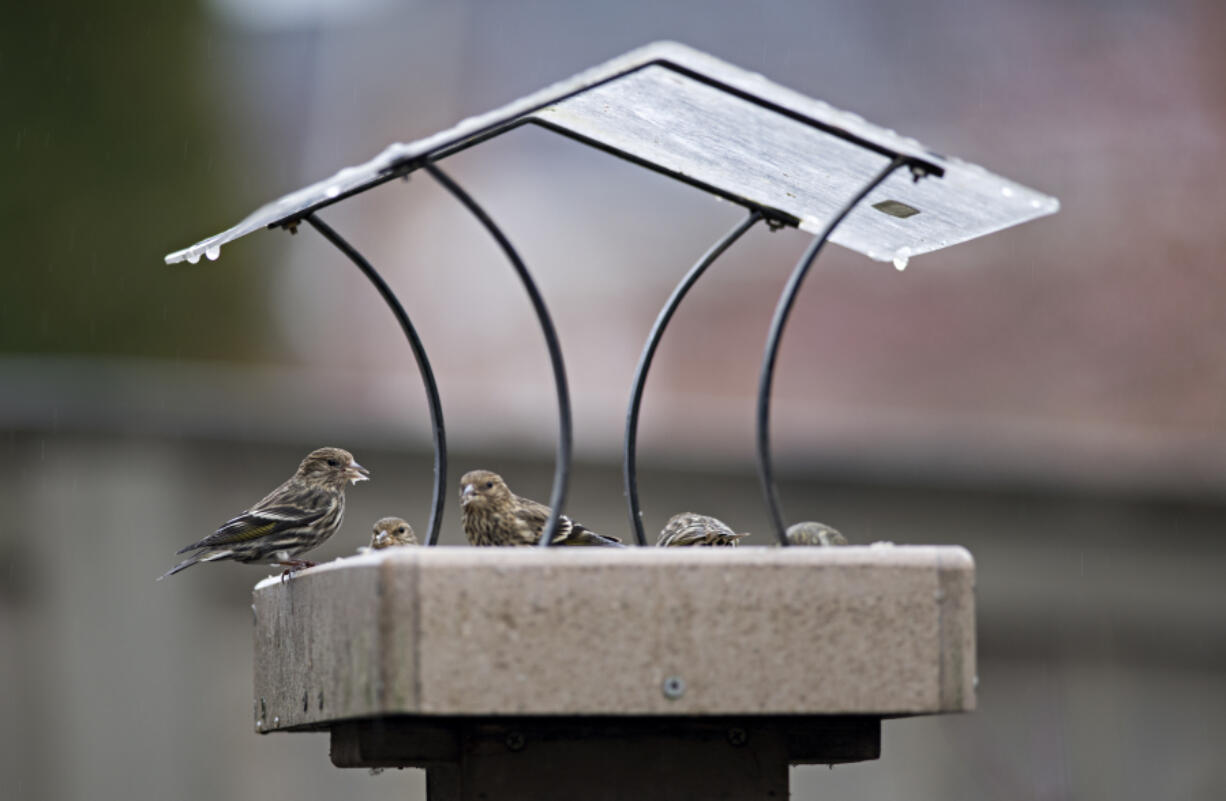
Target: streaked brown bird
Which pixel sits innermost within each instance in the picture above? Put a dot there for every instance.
(813, 533)
(292, 519)
(690, 529)
(389, 531)
(493, 515)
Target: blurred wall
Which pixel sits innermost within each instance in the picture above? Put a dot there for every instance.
(1049, 396)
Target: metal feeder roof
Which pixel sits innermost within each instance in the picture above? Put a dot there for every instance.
(728, 131)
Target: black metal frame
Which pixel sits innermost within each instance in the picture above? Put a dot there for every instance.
(766, 470)
(427, 162)
(630, 446)
(563, 459)
(437, 432)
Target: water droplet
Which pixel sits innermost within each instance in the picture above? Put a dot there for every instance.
(901, 257)
(332, 191)
(1007, 191)
(193, 258)
(259, 724)
(1036, 204)
(212, 253)
(276, 721)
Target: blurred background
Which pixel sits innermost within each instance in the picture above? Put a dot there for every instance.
(1053, 396)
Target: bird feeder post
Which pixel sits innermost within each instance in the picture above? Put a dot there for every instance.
(641, 672)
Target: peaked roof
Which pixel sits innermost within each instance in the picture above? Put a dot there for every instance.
(730, 132)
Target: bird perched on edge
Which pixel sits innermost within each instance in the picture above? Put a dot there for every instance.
(389, 531)
(493, 515)
(692, 529)
(814, 533)
(292, 519)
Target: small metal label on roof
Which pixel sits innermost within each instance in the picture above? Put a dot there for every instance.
(896, 209)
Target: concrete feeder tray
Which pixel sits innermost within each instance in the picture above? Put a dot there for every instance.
(484, 664)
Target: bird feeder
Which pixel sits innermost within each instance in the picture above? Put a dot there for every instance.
(642, 672)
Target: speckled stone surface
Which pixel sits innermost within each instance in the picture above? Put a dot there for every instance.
(746, 631)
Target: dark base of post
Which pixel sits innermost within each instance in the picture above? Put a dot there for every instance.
(604, 758)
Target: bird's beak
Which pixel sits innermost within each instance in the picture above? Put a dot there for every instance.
(356, 472)
(467, 494)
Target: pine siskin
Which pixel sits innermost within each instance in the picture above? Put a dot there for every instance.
(493, 515)
(292, 519)
(813, 533)
(389, 531)
(692, 529)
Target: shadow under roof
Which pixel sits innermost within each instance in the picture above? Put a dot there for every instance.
(727, 131)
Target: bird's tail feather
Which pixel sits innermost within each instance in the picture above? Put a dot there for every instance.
(184, 565)
(203, 556)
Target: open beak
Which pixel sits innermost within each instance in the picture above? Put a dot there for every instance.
(356, 472)
(467, 494)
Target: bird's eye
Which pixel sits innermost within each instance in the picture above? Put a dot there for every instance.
(333, 463)
(400, 530)
(489, 485)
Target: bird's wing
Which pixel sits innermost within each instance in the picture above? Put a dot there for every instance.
(535, 515)
(572, 533)
(277, 512)
(577, 534)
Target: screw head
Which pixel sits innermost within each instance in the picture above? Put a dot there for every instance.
(673, 687)
(515, 741)
(738, 737)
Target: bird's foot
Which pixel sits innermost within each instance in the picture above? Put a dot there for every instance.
(292, 566)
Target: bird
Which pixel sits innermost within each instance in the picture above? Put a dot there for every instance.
(814, 533)
(389, 531)
(493, 515)
(292, 519)
(693, 529)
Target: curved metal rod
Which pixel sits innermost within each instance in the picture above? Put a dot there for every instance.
(561, 474)
(630, 446)
(423, 365)
(766, 471)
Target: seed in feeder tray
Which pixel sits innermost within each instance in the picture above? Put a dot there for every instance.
(689, 529)
(389, 531)
(292, 519)
(814, 533)
(493, 515)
